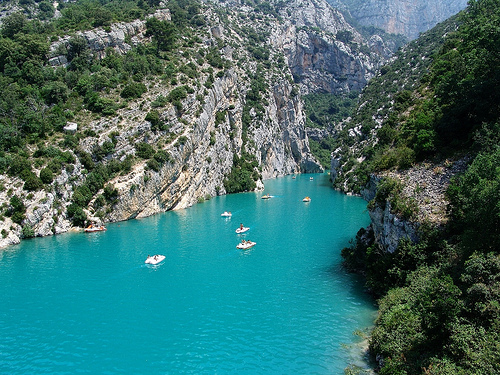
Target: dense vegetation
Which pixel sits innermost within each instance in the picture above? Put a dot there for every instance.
(440, 297)
(325, 111)
(391, 108)
(36, 100)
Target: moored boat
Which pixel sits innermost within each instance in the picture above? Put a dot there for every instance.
(95, 228)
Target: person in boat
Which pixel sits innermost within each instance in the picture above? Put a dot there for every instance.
(241, 226)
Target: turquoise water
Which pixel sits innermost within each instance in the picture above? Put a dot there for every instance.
(87, 303)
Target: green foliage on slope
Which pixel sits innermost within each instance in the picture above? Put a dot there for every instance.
(37, 100)
(324, 111)
(439, 298)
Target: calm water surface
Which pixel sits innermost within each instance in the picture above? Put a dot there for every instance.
(87, 303)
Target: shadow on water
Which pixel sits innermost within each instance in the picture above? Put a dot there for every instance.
(357, 351)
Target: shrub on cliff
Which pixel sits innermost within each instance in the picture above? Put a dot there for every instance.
(133, 90)
(243, 174)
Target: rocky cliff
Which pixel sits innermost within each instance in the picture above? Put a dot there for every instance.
(199, 138)
(424, 186)
(325, 53)
(406, 17)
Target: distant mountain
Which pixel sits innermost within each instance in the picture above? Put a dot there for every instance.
(406, 17)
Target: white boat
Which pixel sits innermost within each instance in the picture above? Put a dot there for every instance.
(154, 259)
(311, 178)
(94, 228)
(267, 196)
(226, 214)
(242, 230)
(244, 245)
(306, 199)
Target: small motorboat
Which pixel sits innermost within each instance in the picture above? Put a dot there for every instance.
(242, 230)
(267, 196)
(311, 178)
(95, 228)
(226, 214)
(244, 245)
(154, 259)
(306, 199)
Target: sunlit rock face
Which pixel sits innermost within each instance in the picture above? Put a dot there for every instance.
(406, 17)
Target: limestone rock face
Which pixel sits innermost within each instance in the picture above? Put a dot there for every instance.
(309, 41)
(426, 184)
(389, 229)
(406, 17)
(45, 210)
(200, 165)
(324, 52)
(99, 39)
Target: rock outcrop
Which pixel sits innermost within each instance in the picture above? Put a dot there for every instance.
(426, 184)
(199, 166)
(120, 37)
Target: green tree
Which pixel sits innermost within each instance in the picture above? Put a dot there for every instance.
(13, 24)
(144, 150)
(466, 74)
(164, 33)
(475, 203)
(133, 90)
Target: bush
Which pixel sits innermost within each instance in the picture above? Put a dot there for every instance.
(144, 150)
(17, 209)
(77, 215)
(46, 176)
(220, 117)
(154, 118)
(28, 232)
(133, 90)
(110, 193)
(161, 156)
(243, 174)
(177, 94)
(154, 165)
(32, 182)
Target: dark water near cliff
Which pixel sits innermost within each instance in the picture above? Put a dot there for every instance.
(87, 303)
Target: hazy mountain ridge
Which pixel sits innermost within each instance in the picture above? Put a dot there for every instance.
(408, 18)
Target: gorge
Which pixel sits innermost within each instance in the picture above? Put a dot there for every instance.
(224, 96)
